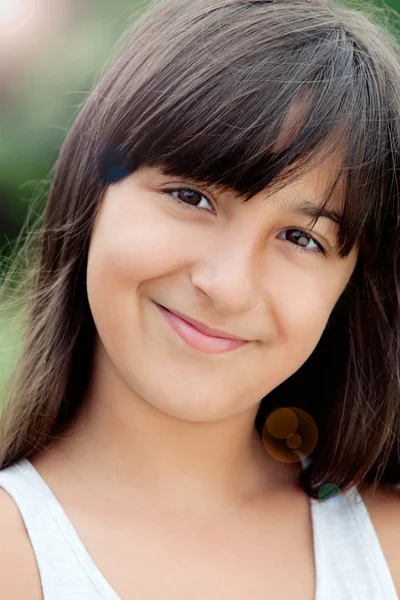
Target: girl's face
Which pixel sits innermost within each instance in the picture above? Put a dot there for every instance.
(246, 269)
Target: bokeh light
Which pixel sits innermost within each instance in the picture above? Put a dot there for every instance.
(289, 434)
(330, 491)
(15, 15)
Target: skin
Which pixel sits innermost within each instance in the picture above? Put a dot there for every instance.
(162, 422)
(163, 458)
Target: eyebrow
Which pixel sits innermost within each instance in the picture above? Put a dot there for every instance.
(309, 209)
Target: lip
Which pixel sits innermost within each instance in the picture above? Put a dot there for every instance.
(204, 329)
(203, 339)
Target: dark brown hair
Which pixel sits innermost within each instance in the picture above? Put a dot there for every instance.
(203, 89)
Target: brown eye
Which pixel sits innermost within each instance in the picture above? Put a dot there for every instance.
(190, 198)
(301, 240)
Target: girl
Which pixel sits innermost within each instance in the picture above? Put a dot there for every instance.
(208, 400)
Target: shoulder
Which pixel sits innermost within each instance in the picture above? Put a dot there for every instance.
(384, 509)
(19, 574)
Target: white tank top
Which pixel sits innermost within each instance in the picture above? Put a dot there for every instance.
(350, 564)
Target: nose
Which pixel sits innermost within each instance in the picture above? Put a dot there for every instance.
(228, 272)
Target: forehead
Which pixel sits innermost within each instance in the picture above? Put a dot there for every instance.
(315, 185)
(320, 185)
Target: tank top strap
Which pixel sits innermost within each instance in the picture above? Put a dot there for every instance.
(17, 481)
(67, 572)
(350, 562)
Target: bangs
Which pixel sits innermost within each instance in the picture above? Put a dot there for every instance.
(267, 114)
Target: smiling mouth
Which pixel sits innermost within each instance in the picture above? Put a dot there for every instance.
(210, 344)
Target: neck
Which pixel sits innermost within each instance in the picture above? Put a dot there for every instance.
(119, 441)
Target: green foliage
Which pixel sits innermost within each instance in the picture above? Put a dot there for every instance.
(42, 101)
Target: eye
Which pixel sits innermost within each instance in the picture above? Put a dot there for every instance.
(195, 200)
(304, 239)
(190, 198)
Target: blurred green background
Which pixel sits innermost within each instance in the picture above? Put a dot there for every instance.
(51, 54)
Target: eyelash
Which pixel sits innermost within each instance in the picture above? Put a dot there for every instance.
(320, 250)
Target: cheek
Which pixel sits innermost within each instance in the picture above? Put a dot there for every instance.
(131, 247)
(302, 301)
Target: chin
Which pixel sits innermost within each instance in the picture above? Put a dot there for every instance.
(193, 409)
